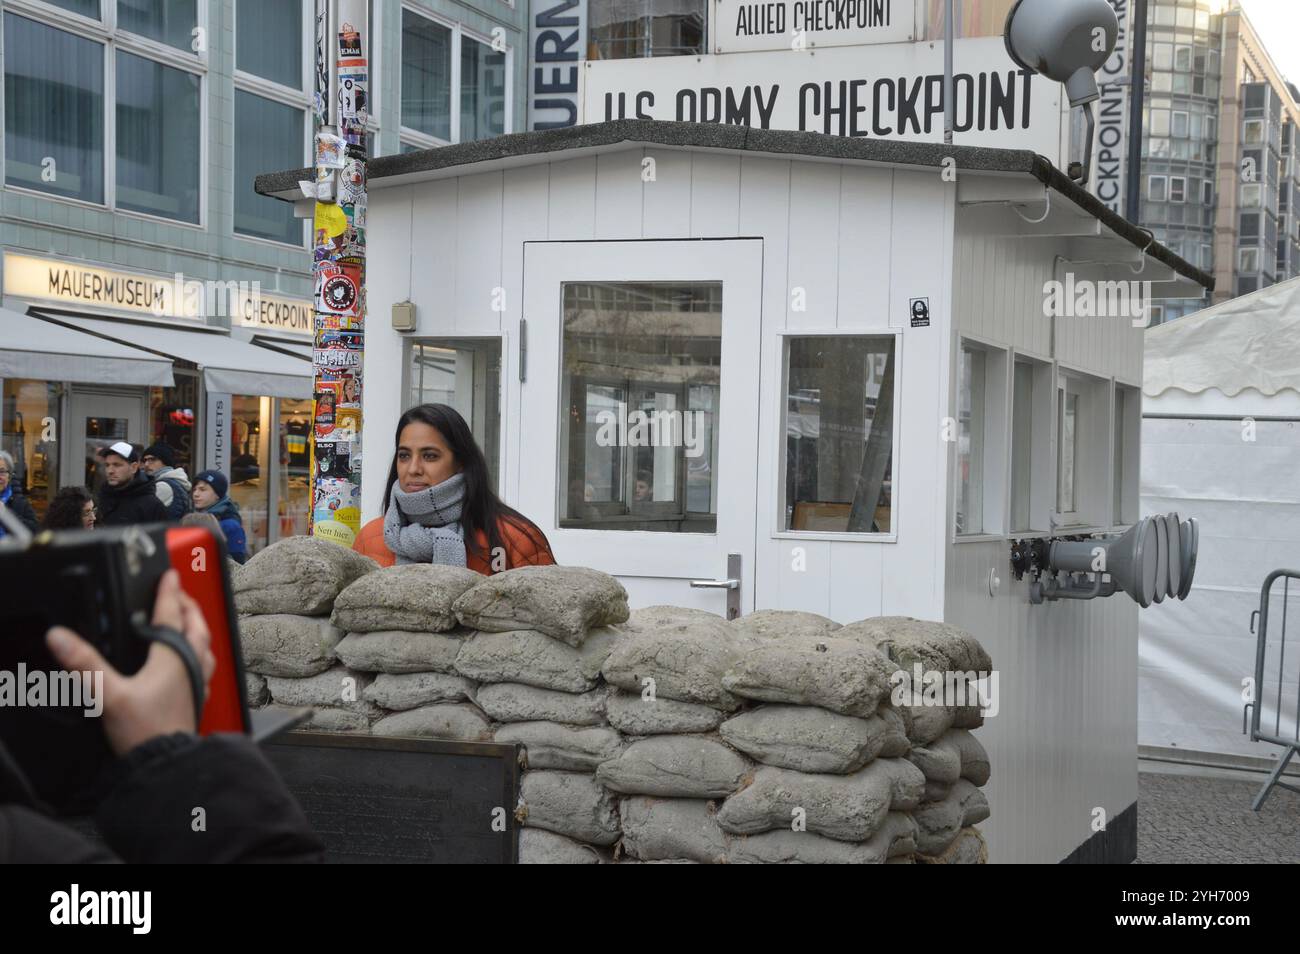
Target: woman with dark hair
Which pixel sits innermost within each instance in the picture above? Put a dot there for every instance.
(439, 506)
(73, 508)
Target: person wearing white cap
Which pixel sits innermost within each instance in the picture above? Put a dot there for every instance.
(127, 495)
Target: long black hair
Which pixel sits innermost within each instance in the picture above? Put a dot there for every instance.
(65, 509)
(482, 509)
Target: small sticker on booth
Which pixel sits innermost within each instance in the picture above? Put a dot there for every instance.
(919, 309)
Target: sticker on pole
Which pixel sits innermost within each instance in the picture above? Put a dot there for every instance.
(338, 288)
(919, 309)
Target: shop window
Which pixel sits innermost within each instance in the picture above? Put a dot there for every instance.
(981, 444)
(29, 412)
(464, 373)
(1083, 424)
(157, 139)
(167, 21)
(271, 135)
(627, 29)
(639, 429)
(54, 110)
(172, 418)
(250, 430)
(295, 484)
(1031, 438)
(1177, 188)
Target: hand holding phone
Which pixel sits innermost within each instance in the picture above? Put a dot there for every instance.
(156, 700)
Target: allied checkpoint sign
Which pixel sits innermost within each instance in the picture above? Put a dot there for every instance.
(884, 91)
(741, 26)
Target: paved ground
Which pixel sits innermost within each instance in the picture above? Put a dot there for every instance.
(1200, 819)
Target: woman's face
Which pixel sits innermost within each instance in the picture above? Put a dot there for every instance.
(204, 495)
(88, 514)
(423, 458)
(4, 474)
(349, 390)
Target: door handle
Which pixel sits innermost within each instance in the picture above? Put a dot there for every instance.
(731, 584)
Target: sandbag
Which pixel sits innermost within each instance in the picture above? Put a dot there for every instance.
(837, 674)
(298, 575)
(632, 714)
(397, 651)
(926, 723)
(535, 659)
(286, 645)
(974, 758)
(410, 690)
(938, 823)
(337, 686)
(783, 624)
(540, 847)
(515, 702)
(968, 717)
(684, 659)
(938, 647)
(968, 848)
(896, 742)
(459, 722)
(415, 597)
(565, 747)
(564, 602)
(843, 807)
(940, 760)
(806, 738)
(570, 804)
(896, 837)
(675, 766)
(329, 719)
(666, 829)
(255, 689)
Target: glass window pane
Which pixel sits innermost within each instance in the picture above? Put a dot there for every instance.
(970, 443)
(268, 136)
(249, 483)
(171, 419)
(157, 139)
(426, 76)
(1022, 432)
(54, 110)
(36, 460)
(1068, 428)
(482, 91)
(167, 21)
(639, 441)
(268, 40)
(839, 428)
(295, 466)
(464, 373)
(87, 8)
(1118, 516)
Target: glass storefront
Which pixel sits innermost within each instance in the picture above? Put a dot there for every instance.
(250, 431)
(172, 419)
(294, 475)
(28, 431)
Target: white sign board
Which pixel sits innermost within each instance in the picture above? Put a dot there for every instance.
(890, 91)
(556, 51)
(741, 27)
(1110, 149)
(218, 433)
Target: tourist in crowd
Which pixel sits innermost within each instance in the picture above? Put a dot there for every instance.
(73, 508)
(127, 495)
(211, 496)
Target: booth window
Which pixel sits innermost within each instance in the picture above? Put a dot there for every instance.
(1031, 465)
(631, 29)
(1128, 424)
(839, 426)
(464, 373)
(981, 438)
(639, 428)
(1083, 423)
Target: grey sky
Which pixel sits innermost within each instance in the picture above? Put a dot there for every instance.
(1278, 24)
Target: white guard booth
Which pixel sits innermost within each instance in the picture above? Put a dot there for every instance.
(854, 398)
(1221, 441)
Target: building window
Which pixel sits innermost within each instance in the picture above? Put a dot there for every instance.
(1207, 192)
(1157, 188)
(1159, 122)
(158, 135)
(1178, 124)
(839, 424)
(1247, 260)
(268, 135)
(1128, 425)
(640, 390)
(1254, 132)
(1251, 194)
(464, 373)
(455, 86)
(268, 40)
(1177, 188)
(168, 21)
(629, 29)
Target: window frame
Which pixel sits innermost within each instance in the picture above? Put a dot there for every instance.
(302, 98)
(421, 140)
(1042, 464)
(107, 34)
(1182, 188)
(1092, 458)
(1126, 449)
(778, 434)
(1164, 184)
(995, 450)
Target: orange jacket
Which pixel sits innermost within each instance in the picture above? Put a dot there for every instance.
(521, 549)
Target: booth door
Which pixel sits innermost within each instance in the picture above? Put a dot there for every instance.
(638, 413)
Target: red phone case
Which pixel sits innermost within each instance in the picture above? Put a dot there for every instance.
(201, 562)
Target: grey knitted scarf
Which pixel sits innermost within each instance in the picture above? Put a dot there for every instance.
(424, 527)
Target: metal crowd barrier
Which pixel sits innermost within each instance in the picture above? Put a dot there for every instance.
(1255, 708)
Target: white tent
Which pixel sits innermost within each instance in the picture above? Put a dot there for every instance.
(1221, 442)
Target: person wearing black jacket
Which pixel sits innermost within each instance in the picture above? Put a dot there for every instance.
(128, 494)
(163, 771)
(11, 497)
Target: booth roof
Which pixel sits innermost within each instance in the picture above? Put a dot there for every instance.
(1247, 342)
(539, 146)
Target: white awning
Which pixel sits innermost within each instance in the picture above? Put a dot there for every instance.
(31, 348)
(299, 349)
(229, 365)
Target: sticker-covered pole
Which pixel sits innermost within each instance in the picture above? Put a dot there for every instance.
(339, 266)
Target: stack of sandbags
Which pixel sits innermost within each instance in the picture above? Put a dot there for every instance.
(540, 636)
(403, 633)
(284, 596)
